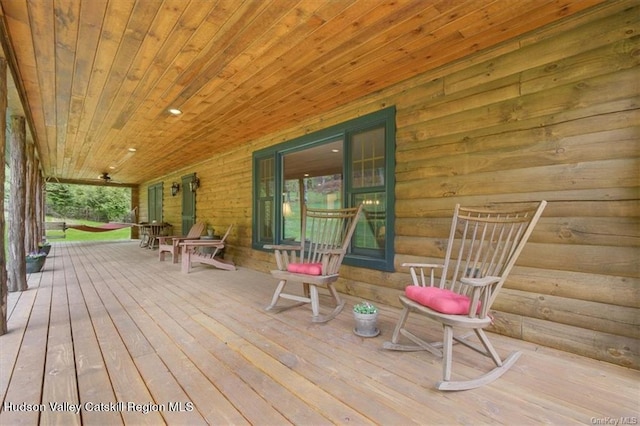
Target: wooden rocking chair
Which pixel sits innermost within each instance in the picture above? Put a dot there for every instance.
(207, 252)
(482, 249)
(325, 238)
(171, 243)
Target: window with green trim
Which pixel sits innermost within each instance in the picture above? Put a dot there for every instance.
(342, 166)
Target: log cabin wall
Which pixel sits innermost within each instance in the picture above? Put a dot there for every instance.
(553, 115)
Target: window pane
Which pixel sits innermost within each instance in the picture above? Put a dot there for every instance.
(266, 185)
(267, 177)
(367, 164)
(371, 231)
(291, 210)
(312, 176)
(266, 220)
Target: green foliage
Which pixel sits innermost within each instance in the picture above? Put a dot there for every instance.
(36, 255)
(97, 203)
(365, 308)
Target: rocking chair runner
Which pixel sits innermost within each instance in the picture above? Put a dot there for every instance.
(171, 244)
(487, 244)
(326, 235)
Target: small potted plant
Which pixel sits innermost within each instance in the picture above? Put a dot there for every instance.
(35, 261)
(366, 317)
(45, 247)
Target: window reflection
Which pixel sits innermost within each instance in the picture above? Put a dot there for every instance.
(368, 158)
(313, 177)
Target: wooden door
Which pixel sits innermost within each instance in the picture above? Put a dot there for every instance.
(188, 203)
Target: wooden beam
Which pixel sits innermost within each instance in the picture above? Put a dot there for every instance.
(94, 183)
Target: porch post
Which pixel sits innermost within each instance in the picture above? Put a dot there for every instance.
(39, 203)
(30, 238)
(3, 143)
(17, 270)
(135, 204)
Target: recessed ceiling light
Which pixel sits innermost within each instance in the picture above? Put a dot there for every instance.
(335, 150)
(112, 167)
(175, 111)
(132, 150)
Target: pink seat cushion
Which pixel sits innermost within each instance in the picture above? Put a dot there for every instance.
(305, 268)
(439, 299)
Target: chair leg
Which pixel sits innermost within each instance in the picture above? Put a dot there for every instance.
(276, 295)
(175, 252)
(315, 301)
(400, 329)
(447, 352)
(488, 346)
(401, 321)
(334, 293)
(339, 304)
(186, 261)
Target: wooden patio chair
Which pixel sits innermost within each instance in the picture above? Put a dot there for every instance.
(171, 244)
(207, 252)
(483, 246)
(315, 262)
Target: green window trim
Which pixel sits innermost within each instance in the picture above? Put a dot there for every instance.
(376, 190)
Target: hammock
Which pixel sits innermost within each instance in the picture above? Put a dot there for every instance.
(111, 226)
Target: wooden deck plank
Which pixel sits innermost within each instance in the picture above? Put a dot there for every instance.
(140, 331)
(94, 385)
(263, 390)
(128, 385)
(179, 327)
(328, 368)
(205, 394)
(18, 318)
(28, 373)
(60, 384)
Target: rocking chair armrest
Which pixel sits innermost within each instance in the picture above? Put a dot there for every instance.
(480, 282)
(423, 265)
(202, 243)
(281, 247)
(173, 238)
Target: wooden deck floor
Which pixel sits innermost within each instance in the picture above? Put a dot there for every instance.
(133, 341)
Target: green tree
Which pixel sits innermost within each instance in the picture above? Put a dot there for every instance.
(98, 203)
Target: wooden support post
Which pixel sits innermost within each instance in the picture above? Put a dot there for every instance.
(3, 142)
(17, 270)
(39, 203)
(135, 203)
(31, 239)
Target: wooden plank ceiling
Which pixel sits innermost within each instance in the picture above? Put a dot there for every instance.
(99, 76)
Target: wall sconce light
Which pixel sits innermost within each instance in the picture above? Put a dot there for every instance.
(194, 184)
(175, 187)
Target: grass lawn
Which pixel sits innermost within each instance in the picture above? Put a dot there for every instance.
(77, 235)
